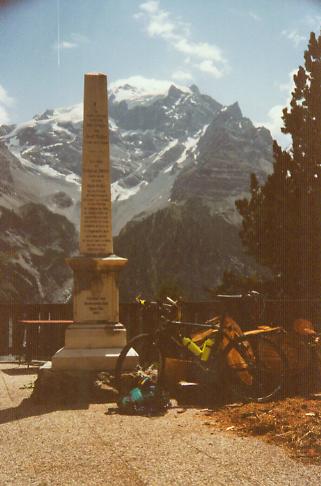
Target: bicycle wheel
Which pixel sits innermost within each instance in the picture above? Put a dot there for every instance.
(255, 367)
(140, 358)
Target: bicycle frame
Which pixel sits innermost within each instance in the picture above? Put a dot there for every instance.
(200, 354)
(206, 355)
(209, 346)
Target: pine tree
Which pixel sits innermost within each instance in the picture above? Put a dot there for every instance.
(281, 221)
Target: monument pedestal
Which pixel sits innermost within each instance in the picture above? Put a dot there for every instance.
(96, 338)
(85, 359)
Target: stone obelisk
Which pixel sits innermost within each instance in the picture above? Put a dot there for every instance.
(96, 338)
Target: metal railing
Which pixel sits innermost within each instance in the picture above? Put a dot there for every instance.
(46, 340)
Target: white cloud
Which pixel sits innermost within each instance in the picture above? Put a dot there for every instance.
(5, 102)
(136, 87)
(138, 15)
(181, 75)
(294, 36)
(313, 21)
(150, 7)
(4, 116)
(255, 16)
(207, 66)
(203, 56)
(201, 50)
(289, 85)
(67, 45)
(245, 14)
(145, 85)
(64, 45)
(160, 26)
(79, 38)
(274, 123)
(75, 40)
(274, 120)
(5, 99)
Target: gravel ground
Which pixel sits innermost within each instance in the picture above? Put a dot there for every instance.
(43, 445)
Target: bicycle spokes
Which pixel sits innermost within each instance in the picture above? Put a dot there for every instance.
(257, 375)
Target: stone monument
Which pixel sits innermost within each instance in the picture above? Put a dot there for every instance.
(96, 338)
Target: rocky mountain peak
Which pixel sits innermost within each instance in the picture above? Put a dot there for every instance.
(230, 149)
(195, 89)
(231, 111)
(44, 116)
(174, 93)
(5, 129)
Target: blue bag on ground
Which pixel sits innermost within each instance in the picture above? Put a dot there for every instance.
(146, 398)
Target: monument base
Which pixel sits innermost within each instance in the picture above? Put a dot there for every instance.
(95, 335)
(92, 346)
(99, 359)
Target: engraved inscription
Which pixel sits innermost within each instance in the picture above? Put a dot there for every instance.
(96, 224)
(96, 305)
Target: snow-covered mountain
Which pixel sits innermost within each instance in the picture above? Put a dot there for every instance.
(179, 161)
(166, 144)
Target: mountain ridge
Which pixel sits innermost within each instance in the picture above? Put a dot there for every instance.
(151, 141)
(179, 159)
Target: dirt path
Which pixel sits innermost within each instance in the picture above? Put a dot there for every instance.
(43, 446)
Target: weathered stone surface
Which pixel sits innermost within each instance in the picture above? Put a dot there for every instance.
(94, 336)
(95, 224)
(96, 296)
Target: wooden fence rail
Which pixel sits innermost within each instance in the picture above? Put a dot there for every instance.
(46, 340)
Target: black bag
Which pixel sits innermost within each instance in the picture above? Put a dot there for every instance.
(144, 399)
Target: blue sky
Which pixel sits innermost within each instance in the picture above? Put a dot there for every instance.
(233, 50)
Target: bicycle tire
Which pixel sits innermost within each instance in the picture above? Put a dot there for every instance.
(149, 362)
(260, 370)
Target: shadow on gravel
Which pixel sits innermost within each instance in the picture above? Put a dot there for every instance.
(58, 393)
(198, 396)
(27, 408)
(20, 371)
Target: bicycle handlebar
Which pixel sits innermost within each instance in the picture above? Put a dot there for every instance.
(191, 324)
(252, 294)
(231, 296)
